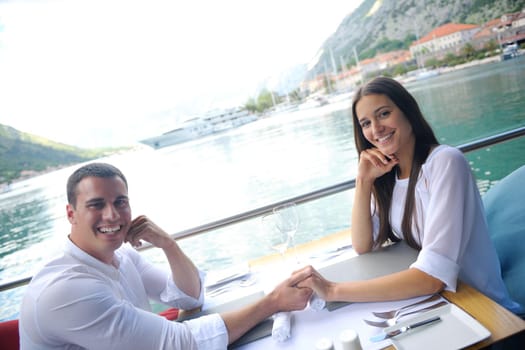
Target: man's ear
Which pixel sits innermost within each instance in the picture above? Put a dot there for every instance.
(70, 214)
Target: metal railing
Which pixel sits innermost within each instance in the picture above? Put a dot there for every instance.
(323, 192)
(343, 186)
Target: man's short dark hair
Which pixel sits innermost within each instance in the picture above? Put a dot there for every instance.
(95, 170)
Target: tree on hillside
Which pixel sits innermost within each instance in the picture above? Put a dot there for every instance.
(264, 101)
(491, 46)
(468, 51)
(251, 105)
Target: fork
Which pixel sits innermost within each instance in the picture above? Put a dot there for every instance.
(392, 321)
(395, 312)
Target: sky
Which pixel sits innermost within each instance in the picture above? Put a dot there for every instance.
(108, 73)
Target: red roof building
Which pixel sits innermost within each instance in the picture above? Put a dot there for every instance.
(448, 37)
(508, 28)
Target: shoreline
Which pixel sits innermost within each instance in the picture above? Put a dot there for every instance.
(6, 187)
(407, 78)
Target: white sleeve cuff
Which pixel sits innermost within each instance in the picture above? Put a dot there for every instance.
(439, 267)
(209, 331)
(172, 295)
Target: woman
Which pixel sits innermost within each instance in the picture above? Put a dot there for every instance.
(410, 187)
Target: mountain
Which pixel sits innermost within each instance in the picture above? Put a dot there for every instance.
(25, 154)
(386, 25)
(375, 26)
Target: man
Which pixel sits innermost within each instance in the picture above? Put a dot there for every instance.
(96, 294)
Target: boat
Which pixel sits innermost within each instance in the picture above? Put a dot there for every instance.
(5, 188)
(426, 73)
(510, 51)
(221, 120)
(211, 122)
(313, 102)
(189, 130)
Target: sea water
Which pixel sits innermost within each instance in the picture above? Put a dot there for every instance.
(270, 160)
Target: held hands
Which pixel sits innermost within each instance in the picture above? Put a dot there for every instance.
(142, 228)
(310, 278)
(374, 164)
(289, 296)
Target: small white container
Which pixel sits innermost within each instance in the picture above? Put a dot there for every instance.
(324, 344)
(349, 340)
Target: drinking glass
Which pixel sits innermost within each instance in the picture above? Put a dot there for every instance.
(274, 238)
(287, 222)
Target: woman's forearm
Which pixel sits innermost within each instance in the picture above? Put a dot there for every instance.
(405, 284)
(362, 237)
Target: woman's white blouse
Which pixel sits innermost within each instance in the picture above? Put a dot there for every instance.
(450, 225)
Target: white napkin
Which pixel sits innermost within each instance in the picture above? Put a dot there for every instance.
(316, 303)
(281, 326)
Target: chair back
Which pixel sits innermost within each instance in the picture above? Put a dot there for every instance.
(505, 209)
(9, 338)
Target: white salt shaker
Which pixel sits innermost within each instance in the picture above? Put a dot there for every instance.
(350, 340)
(324, 344)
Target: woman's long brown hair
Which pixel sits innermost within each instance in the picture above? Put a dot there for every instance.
(384, 186)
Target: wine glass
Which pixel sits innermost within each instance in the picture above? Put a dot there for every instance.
(275, 238)
(287, 222)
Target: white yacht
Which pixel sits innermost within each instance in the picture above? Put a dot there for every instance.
(211, 122)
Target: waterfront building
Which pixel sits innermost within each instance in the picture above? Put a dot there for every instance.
(448, 38)
(508, 28)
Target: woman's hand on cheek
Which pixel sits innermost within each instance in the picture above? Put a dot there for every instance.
(374, 164)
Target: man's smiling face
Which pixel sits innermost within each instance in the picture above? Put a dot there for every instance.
(101, 217)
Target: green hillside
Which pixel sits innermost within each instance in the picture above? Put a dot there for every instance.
(20, 152)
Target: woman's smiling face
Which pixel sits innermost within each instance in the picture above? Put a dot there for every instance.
(384, 125)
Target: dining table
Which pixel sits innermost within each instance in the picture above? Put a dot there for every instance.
(469, 319)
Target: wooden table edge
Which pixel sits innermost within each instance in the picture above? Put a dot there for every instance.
(500, 322)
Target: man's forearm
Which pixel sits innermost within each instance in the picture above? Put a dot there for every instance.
(240, 321)
(185, 273)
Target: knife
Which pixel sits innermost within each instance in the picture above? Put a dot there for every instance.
(380, 337)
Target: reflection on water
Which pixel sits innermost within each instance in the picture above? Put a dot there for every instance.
(24, 223)
(467, 104)
(267, 161)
